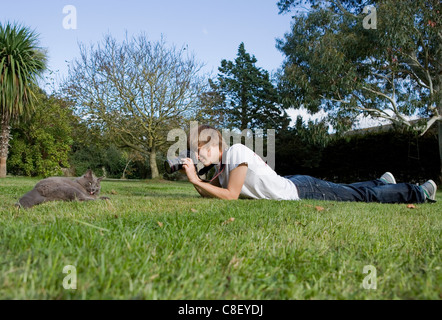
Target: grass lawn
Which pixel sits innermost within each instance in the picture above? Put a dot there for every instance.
(160, 240)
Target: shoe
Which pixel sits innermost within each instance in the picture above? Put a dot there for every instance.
(430, 189)
(388, 178)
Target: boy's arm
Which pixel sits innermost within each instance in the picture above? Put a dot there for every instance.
(205, 194)
(236, 181)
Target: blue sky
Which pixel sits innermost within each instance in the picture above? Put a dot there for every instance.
(211, 29)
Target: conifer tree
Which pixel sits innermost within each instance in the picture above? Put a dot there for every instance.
(250, 100)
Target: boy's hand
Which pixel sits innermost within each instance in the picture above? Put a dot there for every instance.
(190, 170)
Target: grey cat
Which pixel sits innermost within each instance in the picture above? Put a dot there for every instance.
(85, 188)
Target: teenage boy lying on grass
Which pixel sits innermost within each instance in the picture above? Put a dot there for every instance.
(240, 172)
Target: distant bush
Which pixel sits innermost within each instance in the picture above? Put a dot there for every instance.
(348, 159)
(40, 146)
(364, 157)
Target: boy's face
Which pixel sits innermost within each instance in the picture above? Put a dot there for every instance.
(208, 154)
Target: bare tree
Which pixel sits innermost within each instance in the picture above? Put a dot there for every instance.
(137, 90)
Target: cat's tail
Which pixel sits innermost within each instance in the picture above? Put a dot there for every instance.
(30, 199)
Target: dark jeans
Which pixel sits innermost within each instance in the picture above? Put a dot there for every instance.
(369, 191)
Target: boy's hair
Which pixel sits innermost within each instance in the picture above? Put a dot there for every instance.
(204, 135)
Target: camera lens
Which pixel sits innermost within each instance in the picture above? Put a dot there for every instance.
(172, 166)
(176, 164)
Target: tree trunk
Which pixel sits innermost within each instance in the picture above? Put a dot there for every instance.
(4, 144)
(244, 120)
(438, 91)
(440, 150)
(125, 168)
(153, 164)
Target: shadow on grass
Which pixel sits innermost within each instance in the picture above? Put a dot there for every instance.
(162, 195)
(147, 181)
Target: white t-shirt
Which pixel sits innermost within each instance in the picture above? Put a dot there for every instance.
(261, 182)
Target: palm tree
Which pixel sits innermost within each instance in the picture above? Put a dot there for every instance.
(21, 61)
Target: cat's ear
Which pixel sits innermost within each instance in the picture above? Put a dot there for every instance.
(88, 174)
(99, 179)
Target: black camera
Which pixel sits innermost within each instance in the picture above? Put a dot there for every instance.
(176, 164)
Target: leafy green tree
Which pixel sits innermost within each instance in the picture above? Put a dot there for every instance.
(307, 142)
(94, 149)
(21, 61)
(211, 107)
(248, 98)
(338, 58)
(40, 146)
